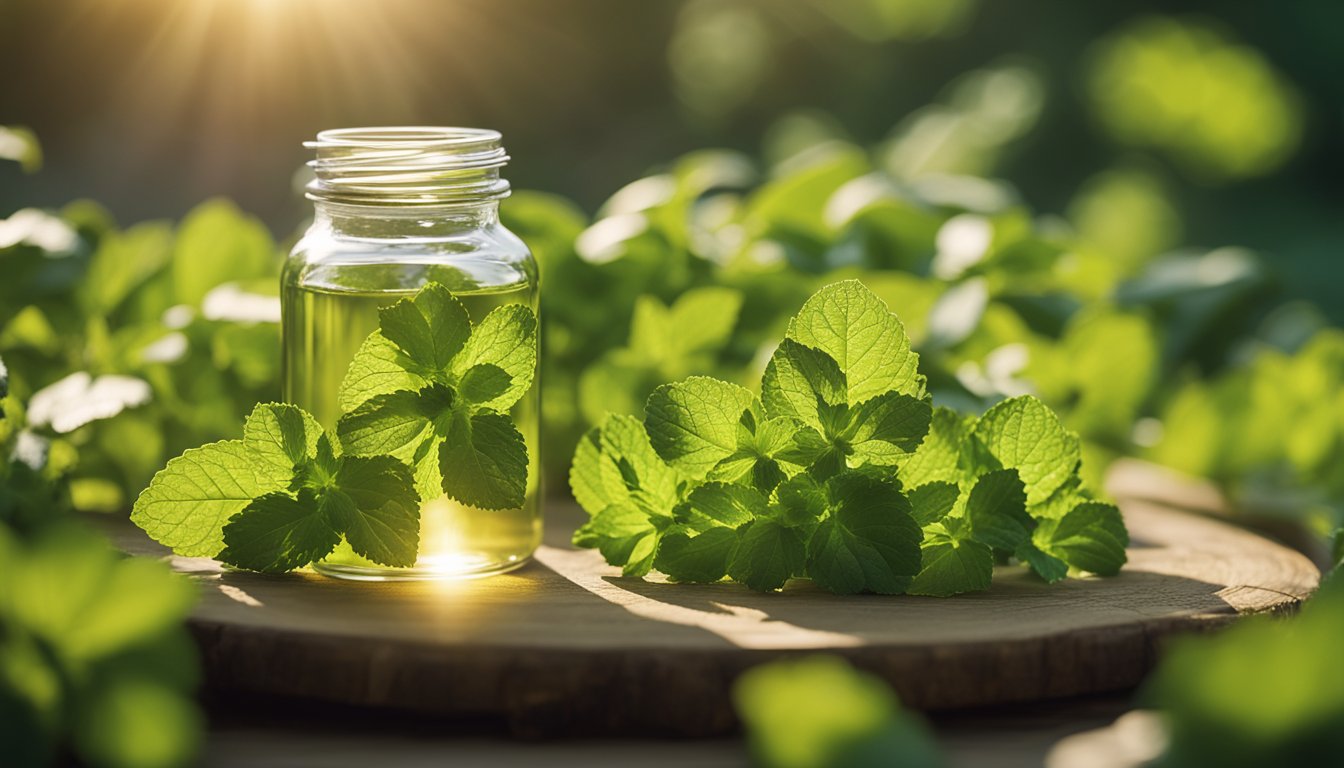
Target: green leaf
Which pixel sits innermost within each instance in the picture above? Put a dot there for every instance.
(122, 263)
(997, 511)
(505, 340)
(800, 502)
(188, 502)
(378, 368)
(396, 424)
(632, 468)
(938, 458)
(278, 533)
(651, 330)
(693, 424)
(1062, 501)
(852, 325)
(484, 384)
(430, 328)
(951, 565)
(129, 719)
(483, 460)
(768, 555)
(702, 319)
(585, 474)
(1092, 537)
(140, 598)
(1267, 691)
(1048, 567)
(720, 505)
(1023, 434)
(800, 382)
(820, 711)
(932, 502)
(765, 454)
(869, 543)
(626, 537)
(281, 435)
(217, 244)
(702, 558)
(887, 428)
(386, 526)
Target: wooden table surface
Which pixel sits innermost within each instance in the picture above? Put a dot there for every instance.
(301, 664)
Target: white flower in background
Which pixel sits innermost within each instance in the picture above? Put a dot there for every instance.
(997, 375)
(603, 241)
(962, 242)
(957, 313)
(168, 349)
(177, 317)
(641, 195)
(230, 303)
(30, 226)
(79, 399)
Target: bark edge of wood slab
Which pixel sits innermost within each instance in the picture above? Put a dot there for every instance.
(565, 646)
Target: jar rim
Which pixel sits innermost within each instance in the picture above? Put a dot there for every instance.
(407, 165)
(403, 136)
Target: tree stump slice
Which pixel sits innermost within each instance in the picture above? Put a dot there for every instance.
(566, 646)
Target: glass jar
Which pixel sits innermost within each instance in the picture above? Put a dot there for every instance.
(396, 209)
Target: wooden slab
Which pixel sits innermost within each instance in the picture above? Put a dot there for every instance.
(567, 646)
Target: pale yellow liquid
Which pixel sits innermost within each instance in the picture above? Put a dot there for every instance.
(323, 330)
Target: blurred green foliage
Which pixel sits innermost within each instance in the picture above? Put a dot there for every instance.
(1186, 88)
(1269, 691)
(1270, 427)
(819, 712)
(131, 345)
(94, 661)
(699, 267)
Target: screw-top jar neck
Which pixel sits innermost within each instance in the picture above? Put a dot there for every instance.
(416, 167)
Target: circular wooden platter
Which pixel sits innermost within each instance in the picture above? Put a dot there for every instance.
(567, 646)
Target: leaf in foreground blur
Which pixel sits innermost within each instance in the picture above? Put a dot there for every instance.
(93, 656)
(1268, 692)
(820, 711)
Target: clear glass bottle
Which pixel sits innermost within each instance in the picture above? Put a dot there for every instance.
(395, 209)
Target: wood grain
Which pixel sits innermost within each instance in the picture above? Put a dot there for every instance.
(567, 646)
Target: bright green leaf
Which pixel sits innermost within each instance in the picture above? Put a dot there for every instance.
(379, 368)
(1023, 434)
(951, 565)
(188, 502)
(505, 339)
(430, 328)
(1092, 537)
(852, 325)
(386, 527)
(693, 424)
(484, 461)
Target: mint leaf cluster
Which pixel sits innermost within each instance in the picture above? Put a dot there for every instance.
(842, 471)
(432, 390)
(426, 397)
(282, 497)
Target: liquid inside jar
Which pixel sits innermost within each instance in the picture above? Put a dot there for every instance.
(329, 310)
